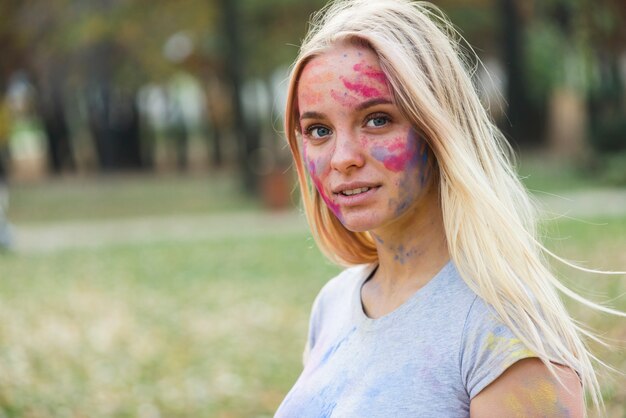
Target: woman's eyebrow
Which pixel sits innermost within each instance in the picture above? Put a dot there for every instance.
(373, 102)
(312, 115)
(361, 106)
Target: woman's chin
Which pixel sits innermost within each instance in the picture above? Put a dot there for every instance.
(358, 223)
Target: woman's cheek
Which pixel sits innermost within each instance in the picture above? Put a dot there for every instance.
(407, 158)
(401, 153)
(319, 169)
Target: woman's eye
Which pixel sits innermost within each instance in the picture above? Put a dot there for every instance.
(318, 132)
(377, 121)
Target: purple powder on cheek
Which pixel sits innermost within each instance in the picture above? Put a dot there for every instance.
(311, 167)
(393, 160)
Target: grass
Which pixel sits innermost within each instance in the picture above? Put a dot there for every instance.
(202, 328)
(193, 329)
(546, 173)
(125, 196)
(199, 328)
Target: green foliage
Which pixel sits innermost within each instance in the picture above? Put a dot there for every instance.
(610, 133)
(545, 46)
(611, 167)
(272, 31)
(554, 60)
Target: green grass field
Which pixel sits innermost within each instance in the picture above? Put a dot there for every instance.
(124, 196)
(198, 328)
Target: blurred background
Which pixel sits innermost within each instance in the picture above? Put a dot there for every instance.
(154, 262)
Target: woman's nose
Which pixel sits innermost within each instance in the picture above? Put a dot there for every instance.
(347, 154)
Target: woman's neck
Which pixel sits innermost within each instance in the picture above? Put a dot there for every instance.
(412, 249)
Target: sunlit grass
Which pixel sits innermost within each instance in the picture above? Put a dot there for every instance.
(201, 328)
(124, 196)
(195, 328)
(198, 329)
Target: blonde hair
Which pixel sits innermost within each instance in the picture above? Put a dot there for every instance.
(489, 218)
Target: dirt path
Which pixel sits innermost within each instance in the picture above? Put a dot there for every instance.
(89, 234)
(585, 203)
(47, 237)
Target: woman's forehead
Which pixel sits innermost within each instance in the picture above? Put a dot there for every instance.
(343, 56)
(345, 76)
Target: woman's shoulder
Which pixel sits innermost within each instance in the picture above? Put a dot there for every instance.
(346, 280)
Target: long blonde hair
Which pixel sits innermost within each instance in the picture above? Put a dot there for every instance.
(489, 218)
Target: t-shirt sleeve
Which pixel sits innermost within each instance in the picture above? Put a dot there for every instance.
(488, 348)
(314, 325)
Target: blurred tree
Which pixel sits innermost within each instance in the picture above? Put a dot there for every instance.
(573, 48)
(100, 52)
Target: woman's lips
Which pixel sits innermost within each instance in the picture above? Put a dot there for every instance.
(354, 196)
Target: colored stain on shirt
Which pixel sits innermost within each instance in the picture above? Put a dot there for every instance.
(329, 353)
(513, 346)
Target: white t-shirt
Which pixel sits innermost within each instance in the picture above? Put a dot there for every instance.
(427, 358)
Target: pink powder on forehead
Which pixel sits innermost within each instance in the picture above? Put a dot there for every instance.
(310, 97)
(344, 99)
(362, 89)
(369, 71)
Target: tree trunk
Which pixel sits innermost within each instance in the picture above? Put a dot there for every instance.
(248, 139)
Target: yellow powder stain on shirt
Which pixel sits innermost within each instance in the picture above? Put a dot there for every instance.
(514, 348)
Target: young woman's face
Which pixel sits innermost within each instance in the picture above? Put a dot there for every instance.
(366, 160)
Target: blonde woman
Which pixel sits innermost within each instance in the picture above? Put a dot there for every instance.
(447, 308)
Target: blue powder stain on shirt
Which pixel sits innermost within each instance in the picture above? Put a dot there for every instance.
(318, 405)
(335, 347)
(322, 404)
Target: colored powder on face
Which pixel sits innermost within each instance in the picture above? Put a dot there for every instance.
(424, 157)
(362, 89)
(313, 172)
(311, 166)
(331, 205)
(400, 204)
(393, 160)
(408, 155)
(344, 99)
(310, 98)
(370, 72)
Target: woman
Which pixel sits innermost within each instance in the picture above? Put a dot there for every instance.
(448, 309)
